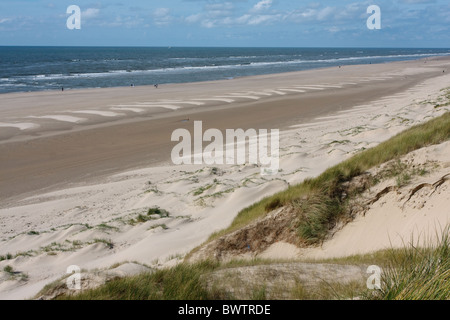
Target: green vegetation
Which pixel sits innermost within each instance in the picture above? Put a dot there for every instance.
(443, 100)
(163, 226)
(320, 202)
(154, 190)
(158, 211)
(330, 291)
(403, 179)
(142, 219)
(201, 190)
(106, 242)
(402, 173)
(67, 246)
(178, 283)
(418, 273)
(151, 213)
(317, 212)
(339, 142)
(15, 275)
(106, 227)
(353, 131)
(409, 273)
(8, 269)
(259, 293)
(8, 256)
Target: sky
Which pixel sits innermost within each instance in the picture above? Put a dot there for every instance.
(231, 23)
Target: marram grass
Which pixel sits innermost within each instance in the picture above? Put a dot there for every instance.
(326, 187)
(418, 273)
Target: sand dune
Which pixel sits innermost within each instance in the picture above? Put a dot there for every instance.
(414, 214)
(82, 207)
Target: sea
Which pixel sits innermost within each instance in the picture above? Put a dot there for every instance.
(25, 69)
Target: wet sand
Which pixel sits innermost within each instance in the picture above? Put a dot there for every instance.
(61, 150)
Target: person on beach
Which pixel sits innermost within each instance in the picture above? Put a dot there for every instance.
(156, 86)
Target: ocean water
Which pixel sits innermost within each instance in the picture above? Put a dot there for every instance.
(50, 68)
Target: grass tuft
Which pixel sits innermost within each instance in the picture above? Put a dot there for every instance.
(182, 282)
(8, 269)
(418, 273)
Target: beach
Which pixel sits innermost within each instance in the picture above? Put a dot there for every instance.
(78, 167)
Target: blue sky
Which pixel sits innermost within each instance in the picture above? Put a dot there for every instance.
(266, 23)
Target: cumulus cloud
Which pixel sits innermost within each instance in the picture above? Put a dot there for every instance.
(226, 14)
(262, 5)
(332, 17)
(219, 10)
(261, 13)
(213, 14)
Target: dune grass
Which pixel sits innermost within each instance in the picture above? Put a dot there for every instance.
(178, 283)
(410, 273)
(324, 193)
(418, 273)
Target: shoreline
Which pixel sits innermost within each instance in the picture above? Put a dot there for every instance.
(248, 77)
(71, 143)
(322, 126)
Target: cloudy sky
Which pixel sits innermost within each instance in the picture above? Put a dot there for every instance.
(262, 23)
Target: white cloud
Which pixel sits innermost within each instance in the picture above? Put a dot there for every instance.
(243, 19)
(224, 14)
(162, 17)
(334, 29)
(208, 24)
(213, 14)
(325, 13)
(226, 6)
(194, 18)
(90, 13)
(262, 5)
(161, 12)
(264, 19)
(261, 12)
(124, 22)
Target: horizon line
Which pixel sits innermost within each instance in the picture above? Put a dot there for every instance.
(240, 47)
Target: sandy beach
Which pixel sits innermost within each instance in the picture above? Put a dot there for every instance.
(78, 167)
